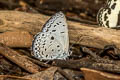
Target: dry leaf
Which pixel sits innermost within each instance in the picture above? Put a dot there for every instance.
(91, 74)
(43, 75)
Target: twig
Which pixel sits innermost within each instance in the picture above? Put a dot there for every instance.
(18, 59)
(88, 51)
(89, 63)
(38, 62)
(64, 74)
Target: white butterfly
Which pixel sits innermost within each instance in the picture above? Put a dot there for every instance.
(109, 15)
(53, 41)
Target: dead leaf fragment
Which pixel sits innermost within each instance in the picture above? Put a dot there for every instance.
(91, 74)
(43, 75)
(9, 77)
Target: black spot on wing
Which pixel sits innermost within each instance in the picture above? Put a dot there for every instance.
(57, 23)
(62, 32)
(109, 11)
(105, 17)
(47, 30)
(107, 23)
(53, 30)
(36, 55)
(63, 25)
(52, 49)
(34, 43)
(58, 46)
(45, 49)
(50, 22)
(54, 25)
(113, 6)
(42, 53)
(42, 34)
(35, 48)
(44, 40)
(64, 53)
(46, 55)
(52, 38)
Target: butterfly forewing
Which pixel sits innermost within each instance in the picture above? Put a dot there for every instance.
(53, 41)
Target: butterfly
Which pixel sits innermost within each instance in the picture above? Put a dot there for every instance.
(53, 42)
(109, 15)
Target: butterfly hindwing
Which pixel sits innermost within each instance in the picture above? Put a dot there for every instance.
(53, 41)
(108, 16)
